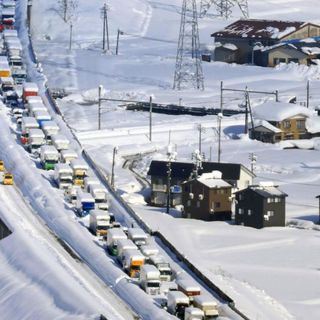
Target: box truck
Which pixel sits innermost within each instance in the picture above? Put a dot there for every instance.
(99, 222)
(150, 279)
(49, 156)
(63, 175)
(113, 236)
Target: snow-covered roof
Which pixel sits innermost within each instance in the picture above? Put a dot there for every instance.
(229, 46)
(50, 125)
(311, 50)
(79, 164)
(178, 297)
(36, 133)
(49, 149)
(30, 87)
(279, 111)
(149, 250)
(313, 124)
(265, 124)
(63, 167)
(99, 213)
(136, 232)
(30, 121)
(58, 138)
(205, 300)
(68, 153)
(213, 180)
(188, 285)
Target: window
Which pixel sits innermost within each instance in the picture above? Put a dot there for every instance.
(240, 211)
(300, 124)
(189, 203)
(217, 205)
(277, 199)
(295, 60)
(278, 60)
(286, 124)
(249, 212)
(240, 197)
(270, 213)
(270, 200)
(198, 204)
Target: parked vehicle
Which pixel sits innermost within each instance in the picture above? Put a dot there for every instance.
(88, 181)
(27, 123)
(113, 236)
(67, 155)
(19, 75)
(35, 141)
(132, 261)
(49, 129)
(63, 175)
(32, 99)
(7, 84)
(11, 99)
(5, 70)
(1, 165)
(177, 303)
(149, 250)
(99, 193)
(192, 313)
(138, 236)
(34, 106)
(189, 288)
(71, 194)
(163, 266)
(207, 305)
(124, 244)
(8, 178)
(49, 156)
(80, 171)
(60, 141)
(99, 222)
(42, 116)
(150, 279)
(29, 89)
(85, 203)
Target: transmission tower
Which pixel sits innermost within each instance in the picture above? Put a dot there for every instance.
(188, 71)
(224, 7)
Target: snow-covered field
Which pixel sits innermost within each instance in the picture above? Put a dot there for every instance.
(278, 268)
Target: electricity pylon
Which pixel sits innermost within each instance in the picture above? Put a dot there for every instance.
(224, 7)
(188, 70)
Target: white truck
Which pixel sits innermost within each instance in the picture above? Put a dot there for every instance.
(34, 106)
(50, 128)
(42, 116)
(207, 305)
(113, 236)
(177, 303)
(88, 181)
(124, 244)
(132, 261)
(49, 157)
(85, 203)
(138, 236)
(80, 171)
(150, 279)
(60, 141)
(163, 266)
(27, 123)
(99, 193)
(63, 175)
(67, 155)
(149, 250)
(189, 288)
(71, 193)
(35, 141)
(192, 313)
(99, 222)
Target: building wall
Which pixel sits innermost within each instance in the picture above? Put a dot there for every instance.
(279, 217)
(305, 32)
(292, 131)
(245, 180)
(286, 55)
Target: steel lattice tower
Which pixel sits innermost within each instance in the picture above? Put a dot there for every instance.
(224, 7)
(188, 71)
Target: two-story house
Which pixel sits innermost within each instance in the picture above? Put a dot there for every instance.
(235, 174)
(207, 197)
(260, 206)
(277, 121)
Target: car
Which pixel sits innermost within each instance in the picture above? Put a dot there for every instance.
(8, 179)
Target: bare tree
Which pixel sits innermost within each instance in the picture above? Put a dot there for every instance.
(68, 9)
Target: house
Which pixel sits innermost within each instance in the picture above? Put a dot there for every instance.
(235, 174)
(249, 34)
(277, 121)
(260, 206)
(207, 197)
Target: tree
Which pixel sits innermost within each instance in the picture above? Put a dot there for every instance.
(67, 9)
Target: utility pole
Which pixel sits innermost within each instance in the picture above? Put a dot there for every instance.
(168, 184)
(253, 160)
(99, 106)
(104, 13)
(221, 97)
(118, 37)
(70, 40)
(308, 93)
(200, 138)
(29, 6)
(220, 116)
(246, 95)
(150, 120)
(319, 208)
(115, 150)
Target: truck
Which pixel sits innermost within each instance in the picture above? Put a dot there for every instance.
(71, 194)
(49, 129)
(67, 155)
(149, 250)
(163, 266)
(80, 171)
(113, 236)
(150, 279)
(132, 261)
(99, 193)
(27, 123)
(88, 181)
(177, 303)
(189, 288)
(63, 175)
(138, 236)
(34, 106)
(49, 156)
(5, 70)
(42, 116)
(29, 89)
(99, 222)
(192, 313)
(7, 84)
(60, 141)
(124, 244)
(207, 305)
(35, 141)
(19, 75)
(32, 99)
(85, 203)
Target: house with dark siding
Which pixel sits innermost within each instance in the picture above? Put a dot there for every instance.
(260, 206)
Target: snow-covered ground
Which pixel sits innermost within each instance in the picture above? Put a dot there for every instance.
(276, 269)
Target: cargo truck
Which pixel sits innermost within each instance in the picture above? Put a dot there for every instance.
(34, 106)
(113, 236)
(207, 305)
(67, 155)
(189, 288)
(42, 116)
(60, 141)
(99, 193)
(138, 236)
(5, 70)
(19, 75)
(71, 194)
(99, 222)
(132, 261)
(35, 141)
(27, 123)
(49, 156)
(29, 89)
(150, 279)
(49, 129)
(80, 171)
(63, 175)
(124, 244)
(149, 250)
(161, 263)
(88, 181)
(192, 313)
(177, 303)
(85, 203)
(7, 84)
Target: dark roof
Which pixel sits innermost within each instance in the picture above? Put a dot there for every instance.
(259, 29)
(265, 192)
(183, 170)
